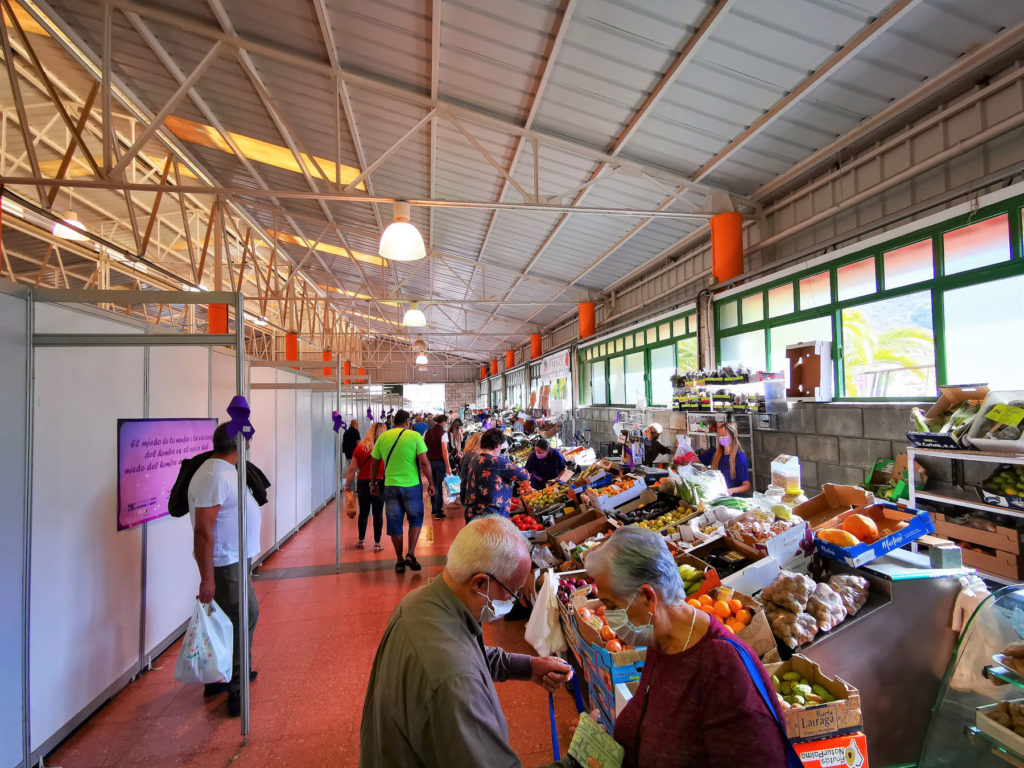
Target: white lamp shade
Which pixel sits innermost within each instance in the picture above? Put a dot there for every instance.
(421, 359)
(414, 317)
(70, 228)
(419, 346)
(401, 241)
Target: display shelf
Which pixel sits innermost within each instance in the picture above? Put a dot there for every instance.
(950, 498)
(981, 739)
(986, 456)
(998, 579)
(1000, 675)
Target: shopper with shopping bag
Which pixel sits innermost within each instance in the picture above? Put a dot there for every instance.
(213, 501)
(362, 501)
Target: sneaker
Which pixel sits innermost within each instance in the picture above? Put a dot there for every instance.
(413, 563)
(360, 544)
(400, 566)
(378, 547)
(216, 689)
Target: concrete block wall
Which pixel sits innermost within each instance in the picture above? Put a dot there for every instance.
(836, 442)
(459, 393)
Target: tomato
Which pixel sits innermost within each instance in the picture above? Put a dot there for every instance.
(585, 613)
(613, 646)
(606, 633)
(600, 610)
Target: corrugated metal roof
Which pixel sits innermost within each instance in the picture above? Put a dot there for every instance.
(494, 69)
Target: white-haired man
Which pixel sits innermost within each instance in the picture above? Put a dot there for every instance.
(431, 699)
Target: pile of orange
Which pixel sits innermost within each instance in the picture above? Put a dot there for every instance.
(729, 612)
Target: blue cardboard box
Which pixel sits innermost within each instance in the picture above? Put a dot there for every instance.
(888, 517)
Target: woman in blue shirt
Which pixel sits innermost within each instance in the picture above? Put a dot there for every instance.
(544, 464)
(736, 468)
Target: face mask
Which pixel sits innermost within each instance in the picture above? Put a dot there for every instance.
(627, 631)
(725, 442)
(541, 455)
(494, 609)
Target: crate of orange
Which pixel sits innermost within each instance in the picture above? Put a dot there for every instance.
(743, 616)
(615, 662)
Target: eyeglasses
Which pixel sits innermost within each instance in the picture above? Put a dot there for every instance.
(517, 595)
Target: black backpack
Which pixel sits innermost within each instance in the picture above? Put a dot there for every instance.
(177, 502)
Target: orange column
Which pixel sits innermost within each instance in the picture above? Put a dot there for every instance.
(291, 346)
(361, 373)
(494, 367)
(510, 359)
(726, 246)
(217, 318)
(326, 356)
(483, 372)
(587, 319)
(348, 372)
(536, 348)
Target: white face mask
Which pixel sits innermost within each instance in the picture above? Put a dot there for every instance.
(494, 609)
(627, 631)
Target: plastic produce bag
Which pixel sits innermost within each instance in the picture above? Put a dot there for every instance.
(544, 630)
(452, 486)
(707, 484)
(207, 648)
(684, 451)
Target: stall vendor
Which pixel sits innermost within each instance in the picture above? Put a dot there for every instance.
(544, 464)
(729, 459)
(652, 445)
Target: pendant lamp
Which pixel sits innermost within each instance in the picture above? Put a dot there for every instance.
(414, 317)
(421, 359)
(70, 228)
(401, 241)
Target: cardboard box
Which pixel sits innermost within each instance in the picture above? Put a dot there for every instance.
(886, 516)
(753, 577)
(849, 751)
(612, 668)
(568, 540)
(1003, 538)
(979, 427)
(646, 497)
(832, 501)
(998, 500)
(825, 720)
(886, 470)
(608, 502)
(758, 633)
(1005, 564)
(949, 398)
(792, 545)
(711, 580)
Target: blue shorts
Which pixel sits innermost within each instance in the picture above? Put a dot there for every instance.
(401, 503)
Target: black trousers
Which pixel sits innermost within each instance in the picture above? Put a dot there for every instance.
(437, 500)
(225, 581)
(367, 503)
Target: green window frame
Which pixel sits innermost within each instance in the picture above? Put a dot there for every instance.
(729, 320)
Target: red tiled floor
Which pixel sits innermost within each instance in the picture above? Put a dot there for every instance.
(314, 645)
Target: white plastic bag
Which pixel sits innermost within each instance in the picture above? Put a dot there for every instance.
(544, 630)
(207, 648)
(451, 486)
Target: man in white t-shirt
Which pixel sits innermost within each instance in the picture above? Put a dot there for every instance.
(213, 502)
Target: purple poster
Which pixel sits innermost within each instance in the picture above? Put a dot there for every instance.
(149, 454)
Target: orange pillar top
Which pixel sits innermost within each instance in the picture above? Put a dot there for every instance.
(588, 321)
(291, 346)
(217, 318)
(494, 367)
(727, 246)
(326, 357)
(510, 359)
(483, 371)
(536, 346)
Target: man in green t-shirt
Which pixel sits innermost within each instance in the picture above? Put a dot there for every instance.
(405, 456)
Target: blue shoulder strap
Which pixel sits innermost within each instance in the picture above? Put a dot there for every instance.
(792, 759)
(580, 708)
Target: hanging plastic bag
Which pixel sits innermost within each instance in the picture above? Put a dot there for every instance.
(351, 504)
(684, 451)
(206, 651)
(544, 629)
(452, 486)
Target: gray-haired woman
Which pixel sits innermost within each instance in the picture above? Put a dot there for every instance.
(695, 683)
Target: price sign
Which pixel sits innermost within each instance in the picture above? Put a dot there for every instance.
(1009, 415)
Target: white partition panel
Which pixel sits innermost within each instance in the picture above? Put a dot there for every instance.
(317, 458)
(178, 388)
(303, 454)
(13, 406)
(85, 596)
(263, 446)
(285, 465)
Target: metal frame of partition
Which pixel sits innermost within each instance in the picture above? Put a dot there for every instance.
(146, 339)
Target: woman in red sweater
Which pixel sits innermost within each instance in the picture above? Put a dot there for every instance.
(367, 502)
(694, 683)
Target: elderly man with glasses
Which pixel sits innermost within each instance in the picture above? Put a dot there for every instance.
(431, 699)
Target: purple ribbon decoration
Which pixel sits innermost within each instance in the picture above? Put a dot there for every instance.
(369, 414)
(238, 410)
(338, 423)
(381, 415)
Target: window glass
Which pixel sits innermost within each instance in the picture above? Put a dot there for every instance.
(618, 345)
(815, 291)
(889, 348)
(971, 331)
(728, 317)
(818, 329)
(857, 279)
(780, 300)
(617, 380)
(663, 366)
(686, 354)
(744, 348)
(664, 332)
(679, 327)
(652, 335)
(977, 245)
(597, 384)
(639, 339)
(753, 308)
(909, 264)
(635, 385)
(585, 394)
(691, 323)
(629, 342)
